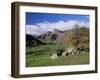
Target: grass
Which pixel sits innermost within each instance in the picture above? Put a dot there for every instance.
(40, 56)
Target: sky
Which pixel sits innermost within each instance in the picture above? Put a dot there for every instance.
(39, 23)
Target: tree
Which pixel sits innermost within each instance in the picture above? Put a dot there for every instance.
(76, 37)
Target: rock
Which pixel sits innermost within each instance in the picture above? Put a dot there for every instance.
(54, 56)
(72, 51)
(59, 52)
(65, 53)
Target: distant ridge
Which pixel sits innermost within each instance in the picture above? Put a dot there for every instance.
(32, 41)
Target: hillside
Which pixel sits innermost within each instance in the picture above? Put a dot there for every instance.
(32, 41)
(67, 36)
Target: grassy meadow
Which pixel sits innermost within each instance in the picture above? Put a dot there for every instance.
(40, 56)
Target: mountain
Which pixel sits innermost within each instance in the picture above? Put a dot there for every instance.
(32, 41)
(58, 31)
(57, 36)
(50, 37)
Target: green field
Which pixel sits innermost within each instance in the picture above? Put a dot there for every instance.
(40, 56)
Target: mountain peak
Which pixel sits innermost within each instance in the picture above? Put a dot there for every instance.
(58, 31)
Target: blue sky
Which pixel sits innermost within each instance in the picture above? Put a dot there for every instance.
(40, 23)
(34, 18)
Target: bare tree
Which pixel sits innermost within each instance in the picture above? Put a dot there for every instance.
(76, 37)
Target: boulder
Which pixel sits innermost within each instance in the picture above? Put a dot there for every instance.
(54, 56)
(72, 51)
(65, 53)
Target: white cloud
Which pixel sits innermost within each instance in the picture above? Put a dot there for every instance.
(41, 28)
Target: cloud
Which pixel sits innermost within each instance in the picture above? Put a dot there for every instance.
(41, 28)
